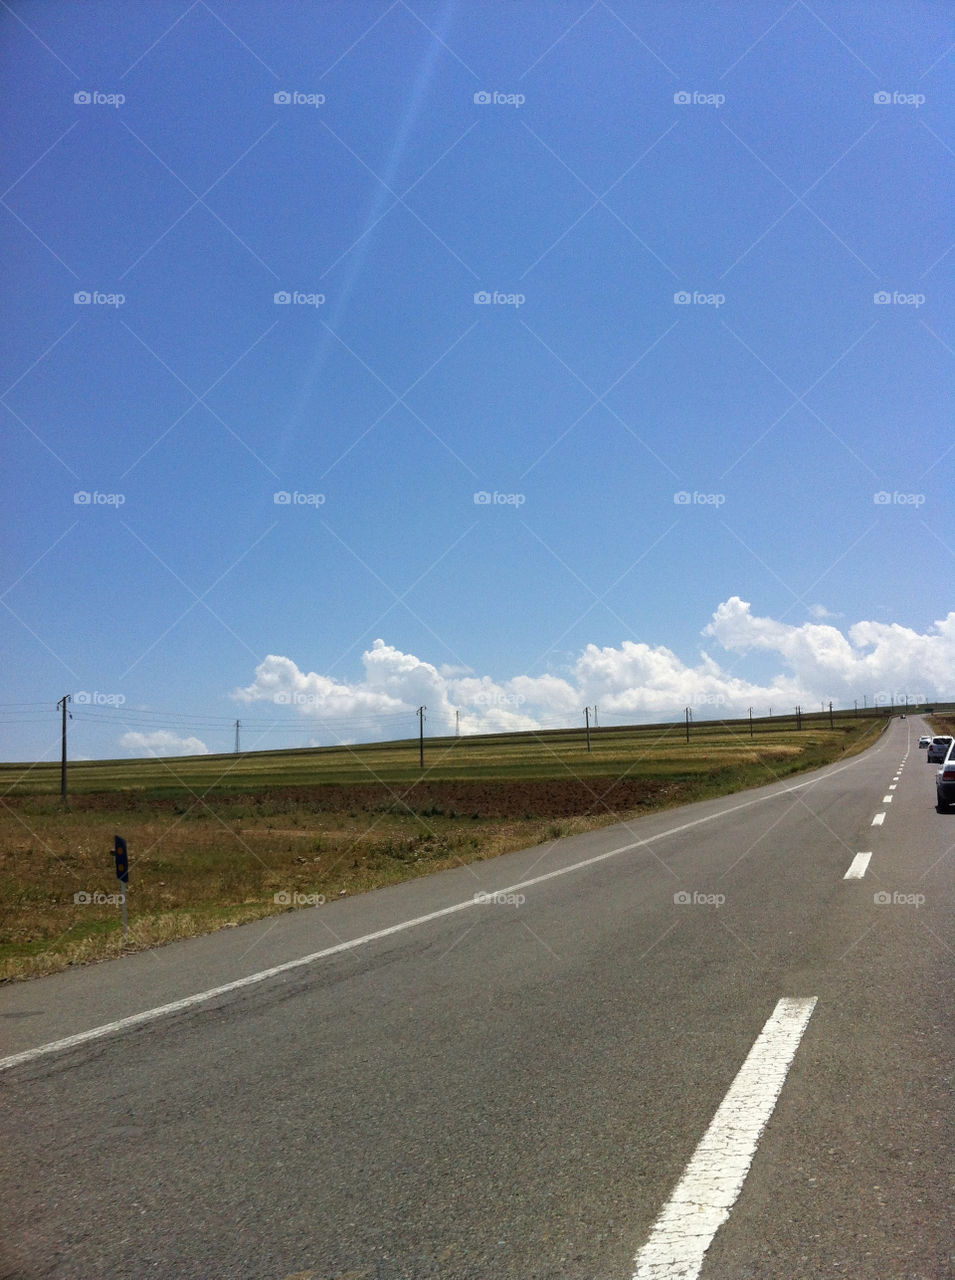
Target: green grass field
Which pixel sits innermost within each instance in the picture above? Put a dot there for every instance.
(218, 840)
(552, 754)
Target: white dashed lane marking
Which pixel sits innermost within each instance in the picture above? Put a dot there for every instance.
(878, 820)
(713, 1179)
(857, 867)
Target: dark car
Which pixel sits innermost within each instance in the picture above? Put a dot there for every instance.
(938, 748)
(945, 780)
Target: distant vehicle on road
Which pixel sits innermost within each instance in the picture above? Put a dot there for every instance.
(924, 741)
(945, 780)
(938, 748)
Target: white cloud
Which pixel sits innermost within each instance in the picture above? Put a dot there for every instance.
(163, 743)
(883, 660)
(633, 681)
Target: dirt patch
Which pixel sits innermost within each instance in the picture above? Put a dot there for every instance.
(563, 798)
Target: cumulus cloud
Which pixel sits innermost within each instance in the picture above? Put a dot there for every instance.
(163, 743)
(884, 660)
(630, 682)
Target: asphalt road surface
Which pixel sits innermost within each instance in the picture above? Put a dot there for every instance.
(684, 1046)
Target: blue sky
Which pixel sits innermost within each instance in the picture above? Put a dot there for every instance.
(709, 399)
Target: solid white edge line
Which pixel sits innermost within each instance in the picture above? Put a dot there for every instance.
(714, 1177)
(189, 1002)
(876, 822)
(857, 867)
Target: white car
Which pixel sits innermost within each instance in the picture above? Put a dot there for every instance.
(945, 780)
(924, 741)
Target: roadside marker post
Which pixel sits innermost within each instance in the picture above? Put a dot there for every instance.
(121, 855)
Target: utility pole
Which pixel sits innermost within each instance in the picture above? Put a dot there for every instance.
(237, 737)
(596, 726)
(62, 703)
(855, 703)
(457, 724)
(421, 711)
(798, 719)
(587, 719)
(751, 722)
(831, 725)
(686, 712)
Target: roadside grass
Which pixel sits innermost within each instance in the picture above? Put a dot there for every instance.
(942, 724)
(219, 851)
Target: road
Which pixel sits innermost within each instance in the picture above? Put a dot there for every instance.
(685, 1045)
